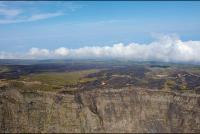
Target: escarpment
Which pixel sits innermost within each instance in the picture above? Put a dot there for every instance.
(99, 110)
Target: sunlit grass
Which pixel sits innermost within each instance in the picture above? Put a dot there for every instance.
(54, 80)
(3, 69)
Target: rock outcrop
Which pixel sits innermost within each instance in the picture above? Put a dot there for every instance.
(99, 110)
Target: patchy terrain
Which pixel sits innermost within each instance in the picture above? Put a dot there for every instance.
(99, 96)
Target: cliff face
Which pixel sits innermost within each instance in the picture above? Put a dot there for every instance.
(102, 110)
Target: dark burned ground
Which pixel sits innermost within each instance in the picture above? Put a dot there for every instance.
(104, 74)
(161, 77)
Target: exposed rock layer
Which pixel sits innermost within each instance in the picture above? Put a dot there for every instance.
(102, 110)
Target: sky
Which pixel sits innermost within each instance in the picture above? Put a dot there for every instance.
(164, 31)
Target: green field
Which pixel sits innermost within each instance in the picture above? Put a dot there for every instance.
(52, 80)
(61, 78)
(3, 69)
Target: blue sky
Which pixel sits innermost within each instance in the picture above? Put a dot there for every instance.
(50, 25)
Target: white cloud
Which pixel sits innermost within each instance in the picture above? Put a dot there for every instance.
(9, 21)
(4, 55)
(165, 48)
(9, 15)
(61, 51)
(34, 17)
(9, 12)
(13, 13)
(43, 16)
(36, 52)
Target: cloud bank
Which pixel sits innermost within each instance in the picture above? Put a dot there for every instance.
(165, 48)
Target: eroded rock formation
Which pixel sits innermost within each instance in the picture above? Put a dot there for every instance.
(99, 110)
